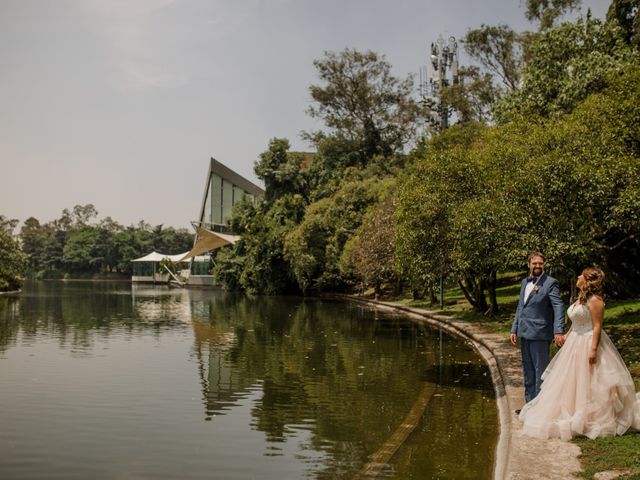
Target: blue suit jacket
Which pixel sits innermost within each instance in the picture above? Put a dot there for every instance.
(542, 315)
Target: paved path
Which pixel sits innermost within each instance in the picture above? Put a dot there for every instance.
(517, 456)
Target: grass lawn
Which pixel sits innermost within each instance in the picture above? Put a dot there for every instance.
(622, 324)
(613, 453)
(456, 305)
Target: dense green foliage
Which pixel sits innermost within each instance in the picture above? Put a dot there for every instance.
(12, 259)
(548, 72)
(256, 263)
(624, 13)
(559, 172)
(569, 187)
(371, 253)
(293, 239)
(546, 12)
(314, 248)
(77, 244)
(566, 64)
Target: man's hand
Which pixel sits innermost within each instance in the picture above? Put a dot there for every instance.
(514, 338)
(559, 339)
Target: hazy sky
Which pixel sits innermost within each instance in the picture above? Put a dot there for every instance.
(121, 103)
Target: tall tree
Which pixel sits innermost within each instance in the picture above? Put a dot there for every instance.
(501, 54)
(546, 12)
(83, 214)
(34, 240)
(8, 224)
(626, 13)
(281, 170)
(12, 259)
(471, 98)
(81, 251)
(568, 185)
(498, 53)
(256, 263)
(499, 50)
(372, 252)
(314, 248)
(567, 64)
(361, 103)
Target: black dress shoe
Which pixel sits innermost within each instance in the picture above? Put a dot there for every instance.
(518, 412)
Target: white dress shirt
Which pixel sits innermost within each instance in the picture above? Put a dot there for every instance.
(529, 288)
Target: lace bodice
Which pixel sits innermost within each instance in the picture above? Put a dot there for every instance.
(580, 316)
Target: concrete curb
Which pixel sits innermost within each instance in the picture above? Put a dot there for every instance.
(11, 292)
(517, 456)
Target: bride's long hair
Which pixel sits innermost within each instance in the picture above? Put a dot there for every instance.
(593, 278)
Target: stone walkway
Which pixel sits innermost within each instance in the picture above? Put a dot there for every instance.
(517, 456)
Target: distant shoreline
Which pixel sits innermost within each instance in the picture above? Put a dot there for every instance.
(106, 278)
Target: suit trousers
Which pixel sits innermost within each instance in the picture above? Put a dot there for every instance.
(535, 358)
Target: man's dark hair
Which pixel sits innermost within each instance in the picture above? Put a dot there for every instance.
(536, 254)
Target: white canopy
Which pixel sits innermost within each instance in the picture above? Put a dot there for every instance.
(206, 240)
(157, 256)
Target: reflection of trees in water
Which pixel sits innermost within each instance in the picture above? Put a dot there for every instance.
(474, 376)
(221, 322)
(344, 375)
(460, 424)
(79, 313)
(9, 311)
(323, 367)
(68, 312)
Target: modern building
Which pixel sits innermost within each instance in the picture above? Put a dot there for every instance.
(223, 189)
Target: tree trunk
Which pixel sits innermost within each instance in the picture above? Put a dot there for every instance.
(492, 293)
(479, 295)
(397, 286)
(474, 292)
(467, 293)
(432, 295)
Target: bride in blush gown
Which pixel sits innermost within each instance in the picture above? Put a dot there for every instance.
(586, 389)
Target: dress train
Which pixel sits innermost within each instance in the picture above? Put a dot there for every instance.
(577, 398)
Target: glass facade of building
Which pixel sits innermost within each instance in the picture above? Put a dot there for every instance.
(225, 188)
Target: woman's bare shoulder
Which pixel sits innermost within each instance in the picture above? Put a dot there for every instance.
(595, 304)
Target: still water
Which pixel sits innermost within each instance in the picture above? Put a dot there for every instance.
(113, 381)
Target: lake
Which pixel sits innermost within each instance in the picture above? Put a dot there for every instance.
(108, 380)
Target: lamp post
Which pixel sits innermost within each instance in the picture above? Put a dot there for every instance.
(444, 61)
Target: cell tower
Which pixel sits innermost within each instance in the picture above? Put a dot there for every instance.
(444, 72)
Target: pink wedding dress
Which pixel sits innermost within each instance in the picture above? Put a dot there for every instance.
(577, 398)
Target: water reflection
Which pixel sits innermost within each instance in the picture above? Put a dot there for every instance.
(326, 384)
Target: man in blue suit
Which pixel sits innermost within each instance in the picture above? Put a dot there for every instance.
(539, 320)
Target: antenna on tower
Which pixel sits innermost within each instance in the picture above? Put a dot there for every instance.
(443, 59)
